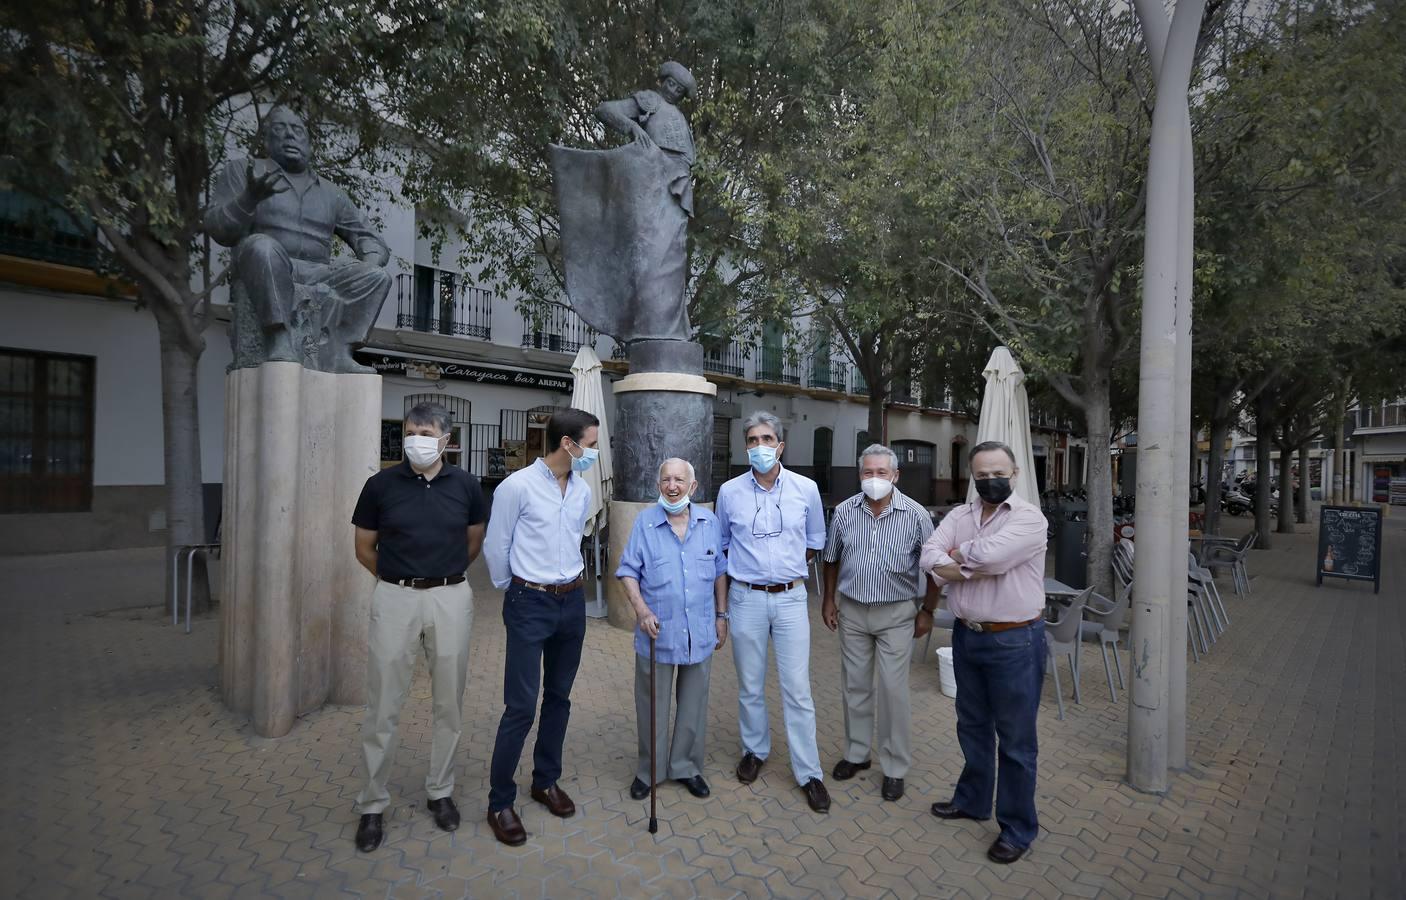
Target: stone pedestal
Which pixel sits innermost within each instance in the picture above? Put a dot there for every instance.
(299, 446)
(663, 408)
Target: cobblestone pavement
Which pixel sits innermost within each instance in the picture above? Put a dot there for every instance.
(125, 777)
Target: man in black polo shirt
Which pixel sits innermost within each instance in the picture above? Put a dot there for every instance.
(418, 526)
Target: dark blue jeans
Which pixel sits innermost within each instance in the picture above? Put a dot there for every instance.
(999, 677)
(545, 633)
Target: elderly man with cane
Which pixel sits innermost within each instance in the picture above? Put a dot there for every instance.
(674, 573)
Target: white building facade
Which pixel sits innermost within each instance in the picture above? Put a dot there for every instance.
(80, 392)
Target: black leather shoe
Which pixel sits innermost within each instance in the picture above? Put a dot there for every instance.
(749, 767)
(816, 795)
(638, 790)
(369, 833)
(893, 788)
(845, 770)
(948, 810)
(1004, 852)
(696, 785)
(446, 814)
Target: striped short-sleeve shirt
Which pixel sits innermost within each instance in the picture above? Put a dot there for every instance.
(878, 555)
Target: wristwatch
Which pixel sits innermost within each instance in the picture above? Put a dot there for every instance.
(722, 615)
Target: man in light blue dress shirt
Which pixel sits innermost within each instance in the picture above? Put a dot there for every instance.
(772, 523)
(533, 551)
(675, 576)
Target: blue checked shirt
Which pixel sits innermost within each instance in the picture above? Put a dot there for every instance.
(676, 580)
(766, 533)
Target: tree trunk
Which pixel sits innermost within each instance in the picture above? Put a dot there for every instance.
(1339, 414)
(877, 424)
(1264, 435)
(185, 517)
(1215, 462)
(1100, 485)
(1301, 507)
(1286, 489)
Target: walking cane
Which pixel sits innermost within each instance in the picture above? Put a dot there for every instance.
(653, 822)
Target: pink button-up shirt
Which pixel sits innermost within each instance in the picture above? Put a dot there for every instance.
(1003, 561)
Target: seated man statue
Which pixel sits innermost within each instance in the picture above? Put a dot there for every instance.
(280, 217)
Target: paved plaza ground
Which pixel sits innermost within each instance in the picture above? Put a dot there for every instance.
(125, 777)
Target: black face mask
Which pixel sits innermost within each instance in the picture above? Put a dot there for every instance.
(993, 490)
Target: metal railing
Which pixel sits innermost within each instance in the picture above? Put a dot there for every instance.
(776, 366)
(826, 371)
(724, 358)
(33, 230)
(857, 383)
(439, 302)
(556, 328)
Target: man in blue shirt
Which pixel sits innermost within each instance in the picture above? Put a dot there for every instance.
(772, 523)
(675, 575)
(533, 551)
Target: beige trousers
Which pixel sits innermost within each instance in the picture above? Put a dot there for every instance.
(877, 635)
(403, 621)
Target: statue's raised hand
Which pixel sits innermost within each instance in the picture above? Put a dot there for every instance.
(258, 188)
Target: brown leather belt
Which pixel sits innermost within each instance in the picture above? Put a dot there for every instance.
(422, 584)
(564, 588)
(774, 588)
(997, 626)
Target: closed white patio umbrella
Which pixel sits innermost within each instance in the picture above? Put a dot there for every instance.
(586, 395)
(1005, 417)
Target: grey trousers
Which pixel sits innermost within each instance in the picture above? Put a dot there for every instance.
(681, 757)
(405, 621)
(877, 636)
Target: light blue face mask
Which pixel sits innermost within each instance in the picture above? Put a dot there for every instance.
(674, 507)
(579, 464)
(762, 458)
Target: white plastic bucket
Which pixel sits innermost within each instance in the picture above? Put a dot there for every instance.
(946, 674)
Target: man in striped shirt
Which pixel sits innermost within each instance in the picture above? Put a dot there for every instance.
(871, 556)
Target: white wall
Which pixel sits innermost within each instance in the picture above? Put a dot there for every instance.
(127, 430)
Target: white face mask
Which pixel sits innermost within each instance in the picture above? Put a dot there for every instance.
(421, 450)
(876, 488)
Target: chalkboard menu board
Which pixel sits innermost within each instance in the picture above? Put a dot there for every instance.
(1350, 544)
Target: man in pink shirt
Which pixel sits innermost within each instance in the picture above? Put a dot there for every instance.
(991, 555)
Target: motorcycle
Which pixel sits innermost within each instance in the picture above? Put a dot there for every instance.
(1236, 502)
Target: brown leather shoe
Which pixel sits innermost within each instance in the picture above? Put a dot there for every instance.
(507, 827)
(556, 801)
(816, 795)
(749, 767)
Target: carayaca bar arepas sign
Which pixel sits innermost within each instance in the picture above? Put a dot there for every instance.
(431, 370)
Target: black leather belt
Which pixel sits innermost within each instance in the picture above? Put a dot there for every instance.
(422, 584)
(774, 588)
(563, 588)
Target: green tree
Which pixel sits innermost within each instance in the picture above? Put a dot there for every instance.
(120, 112)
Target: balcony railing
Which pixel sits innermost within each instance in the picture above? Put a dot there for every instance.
(439, 302)
(33, 230)
(556, 328)
(775, 365)
(857, 383)
(723, 358)
(827, 372)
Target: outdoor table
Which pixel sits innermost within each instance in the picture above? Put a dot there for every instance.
(1057, 591)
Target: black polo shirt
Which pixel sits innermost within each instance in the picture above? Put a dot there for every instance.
(420, 525)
